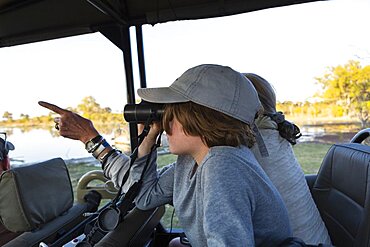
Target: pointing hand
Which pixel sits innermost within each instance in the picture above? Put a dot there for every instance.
(71, 125)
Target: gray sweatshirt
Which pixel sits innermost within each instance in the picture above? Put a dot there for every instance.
(285, 172)
(229, 201)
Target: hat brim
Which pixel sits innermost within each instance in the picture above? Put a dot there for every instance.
(9, 146)
(161, 95)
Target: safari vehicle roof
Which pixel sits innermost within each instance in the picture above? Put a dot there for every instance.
(26, 21)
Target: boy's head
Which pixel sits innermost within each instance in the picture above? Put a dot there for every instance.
(213, 127)
(214, 86)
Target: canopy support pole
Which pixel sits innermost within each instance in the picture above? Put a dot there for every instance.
(140, 55)
(125, 46)
(127, 57)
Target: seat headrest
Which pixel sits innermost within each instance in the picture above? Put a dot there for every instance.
(33, 195)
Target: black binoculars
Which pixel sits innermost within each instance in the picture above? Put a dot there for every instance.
(143, 112)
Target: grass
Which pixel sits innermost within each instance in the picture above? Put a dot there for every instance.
(309, 155)
(166, 159)
(76, 171)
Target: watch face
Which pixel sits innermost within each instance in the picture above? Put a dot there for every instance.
(89, 145)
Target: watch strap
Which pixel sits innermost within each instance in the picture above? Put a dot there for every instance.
(97, 139)
(100, 148)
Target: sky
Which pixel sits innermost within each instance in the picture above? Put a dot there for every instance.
(288, 46)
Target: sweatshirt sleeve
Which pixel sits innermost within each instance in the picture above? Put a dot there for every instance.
(157, 189)
(157, 186)
(228, 205)
(116, 167)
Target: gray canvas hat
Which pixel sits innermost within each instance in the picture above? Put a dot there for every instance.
(217, 87)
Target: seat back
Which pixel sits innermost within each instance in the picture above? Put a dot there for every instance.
(342, 194)
(36, 202)
(33, 195)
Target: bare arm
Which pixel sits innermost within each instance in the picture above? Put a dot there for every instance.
(76, 127)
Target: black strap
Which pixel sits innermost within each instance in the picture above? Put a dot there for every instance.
(133, 157)
(260, 143)
(123, 203)
(287, 130)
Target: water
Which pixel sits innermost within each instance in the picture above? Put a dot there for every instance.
(328, 133)
(39, 144)
(35, 145)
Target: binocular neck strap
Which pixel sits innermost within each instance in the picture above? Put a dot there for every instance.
(122, 204)
(134, 154)
(133, 157)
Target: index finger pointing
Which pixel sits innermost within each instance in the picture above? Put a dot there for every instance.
(52, 107)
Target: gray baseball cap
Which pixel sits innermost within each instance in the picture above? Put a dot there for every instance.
(217, 87)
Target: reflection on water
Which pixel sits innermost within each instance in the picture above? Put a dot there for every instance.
(37, 144)
(328, 133)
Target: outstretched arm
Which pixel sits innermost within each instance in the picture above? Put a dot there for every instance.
(76, 127)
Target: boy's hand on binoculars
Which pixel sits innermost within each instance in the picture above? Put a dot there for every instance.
(71, 125)
(150, 139)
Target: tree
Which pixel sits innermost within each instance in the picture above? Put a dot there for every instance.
(348, 86)
(88, 106)
(91, 109)
(8, 116)
(26, 117)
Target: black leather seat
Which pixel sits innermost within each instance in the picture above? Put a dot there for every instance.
(342, 194)
(135, 230)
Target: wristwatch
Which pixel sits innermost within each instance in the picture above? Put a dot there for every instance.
(99, 149)
(92, 144)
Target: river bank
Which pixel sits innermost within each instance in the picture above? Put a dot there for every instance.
(41, 143)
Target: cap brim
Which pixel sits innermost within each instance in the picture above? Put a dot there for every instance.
(9, 146)
(161, 95)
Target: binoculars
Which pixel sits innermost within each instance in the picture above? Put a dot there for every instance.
(143, 112)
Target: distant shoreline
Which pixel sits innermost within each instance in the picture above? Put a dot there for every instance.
(299, 119)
